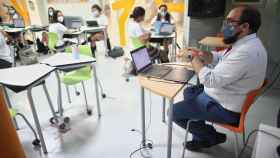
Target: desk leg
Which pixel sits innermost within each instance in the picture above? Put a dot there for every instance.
(8, 101)
(96, 90)
(49, 100)
(163, 109)
(59, 96)
(143, 116)
(170, 124)
(36, 120)
(173, 55)
(105, 42)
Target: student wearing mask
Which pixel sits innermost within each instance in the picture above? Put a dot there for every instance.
(102, 20)
(224, 86)
(163, 15)
(51, 12)
(5, 52)
(58, 27)
(140, 37)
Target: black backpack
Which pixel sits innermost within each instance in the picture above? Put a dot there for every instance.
(116, 52)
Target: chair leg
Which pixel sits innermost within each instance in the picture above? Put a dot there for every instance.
(236, 145)
(244, 138)
(101, 89)
(186, 137)
(68, 94)
(89, 112)
(163, 109)
(28, 124)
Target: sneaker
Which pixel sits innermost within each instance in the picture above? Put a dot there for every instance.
(196, 145)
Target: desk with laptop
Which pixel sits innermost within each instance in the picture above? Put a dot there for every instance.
(165, 81)
(162, 30)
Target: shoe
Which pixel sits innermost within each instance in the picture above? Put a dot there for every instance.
(196, 145)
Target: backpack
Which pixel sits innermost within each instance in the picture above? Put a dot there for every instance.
(28, 56)
(116, 52)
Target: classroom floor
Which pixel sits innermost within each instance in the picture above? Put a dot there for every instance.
(111, 135)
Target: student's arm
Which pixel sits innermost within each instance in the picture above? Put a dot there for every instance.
(62, 28)
(144, 38)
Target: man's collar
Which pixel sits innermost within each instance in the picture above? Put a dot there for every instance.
(244, 39)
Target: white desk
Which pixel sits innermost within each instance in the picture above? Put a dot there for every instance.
(173, 36)
(64, 62)
(265, 145)
(27, 77)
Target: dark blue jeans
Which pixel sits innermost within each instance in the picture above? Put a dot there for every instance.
(198, 106)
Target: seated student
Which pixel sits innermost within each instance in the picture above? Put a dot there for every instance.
(139, 37)
(235, 72)
(5, 52)
(102, 20)
(165, 17)
(58, 27)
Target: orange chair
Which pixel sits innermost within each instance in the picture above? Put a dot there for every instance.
(251, 96)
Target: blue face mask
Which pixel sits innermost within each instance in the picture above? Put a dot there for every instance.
(228, 30)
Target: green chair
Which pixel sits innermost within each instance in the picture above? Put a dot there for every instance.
(52, 40)
(75, 77)
(14, 113)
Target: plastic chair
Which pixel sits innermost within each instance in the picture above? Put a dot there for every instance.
(14, 113)
(240, 129)
(52, 40)
(136, 43)
(79, 76)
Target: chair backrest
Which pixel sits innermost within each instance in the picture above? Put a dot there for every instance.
(52, 40)
(84, 50)
(249, 101)
(136, 43)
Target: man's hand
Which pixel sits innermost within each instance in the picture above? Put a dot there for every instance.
(197, 64)
(206, 57)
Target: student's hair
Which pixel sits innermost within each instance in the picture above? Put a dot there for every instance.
(1, 20)
(167, 16)
(55, 16)
(95, 6)
(137, 12)
(251, 16)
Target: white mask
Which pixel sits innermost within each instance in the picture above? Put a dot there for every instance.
(95, 13)
(60, 18)
(162, 13)
(51, 13)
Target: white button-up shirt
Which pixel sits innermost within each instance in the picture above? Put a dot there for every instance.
(235, 73)
(5, 52)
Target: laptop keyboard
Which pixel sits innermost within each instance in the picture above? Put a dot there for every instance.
(158, 71)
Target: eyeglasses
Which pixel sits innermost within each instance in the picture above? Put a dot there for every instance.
(231, 21)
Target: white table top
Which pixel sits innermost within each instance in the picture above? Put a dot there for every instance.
(24, 75)
(156, 35)
(66, 59)
(14, 30)
(86, 29)
(265, 145)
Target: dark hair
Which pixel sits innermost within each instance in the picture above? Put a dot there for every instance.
(1, 20)
(251, 16)
(95, 6)
(137, 12)
(55, 16)
(163, 5)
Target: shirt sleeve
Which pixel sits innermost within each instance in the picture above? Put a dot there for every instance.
(226, 72)
(62, 28)
(217, 56)
(138, 31)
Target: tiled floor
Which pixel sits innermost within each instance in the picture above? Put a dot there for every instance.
(111, 136)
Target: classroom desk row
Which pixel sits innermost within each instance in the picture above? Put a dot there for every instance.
(27, 77)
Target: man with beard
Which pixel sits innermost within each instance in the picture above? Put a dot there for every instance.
(225, 77)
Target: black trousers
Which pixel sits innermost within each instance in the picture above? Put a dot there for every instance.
(5, 64)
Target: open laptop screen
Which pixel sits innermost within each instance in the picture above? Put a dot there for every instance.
(141, 58)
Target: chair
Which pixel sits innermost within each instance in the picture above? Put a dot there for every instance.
(14, 113)
(79, 76)
(52, 40)
(240, 129)
(136, 43)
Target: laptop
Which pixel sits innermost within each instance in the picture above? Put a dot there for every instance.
(18, 23)
(166, 29)
(144, 66)
(76, 24)
(92, 23)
